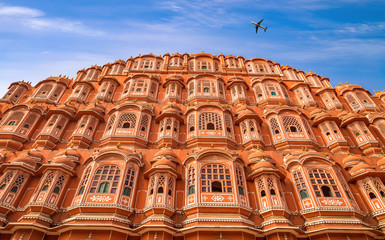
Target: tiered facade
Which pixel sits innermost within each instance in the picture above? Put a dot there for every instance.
(190, 147)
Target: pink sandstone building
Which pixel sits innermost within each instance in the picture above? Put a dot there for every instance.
(189, 147)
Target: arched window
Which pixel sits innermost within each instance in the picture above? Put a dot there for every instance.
(6, 179)
(240, 184)
(274, 126)
(300, 184)
(372, 195)
(127, 120)
(105, 176)
(191, 123)
(48, 181)
(291, 124)
(129, 182)
(210, 121)
(170, 186)
(14, 118)
(261, 187)
(214, 176)
(323, 183)
(161, 184)
(191, 180)
(271, 186)
(144, 123)
(83, 183)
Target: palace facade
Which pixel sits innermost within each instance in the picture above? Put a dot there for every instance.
(190, 147)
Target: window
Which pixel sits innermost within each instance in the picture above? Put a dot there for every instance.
(127, 120)
(300, 184)
(291, 124)
(216, 178)
(210, 121)
(6, 179)
(239, 177)
(323, 183)
(104, 178)
(129, 182)
(191, 122)
(191, 180)
(84, 180)
(274, 126)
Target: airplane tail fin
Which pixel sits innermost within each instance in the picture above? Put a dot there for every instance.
(265, 29)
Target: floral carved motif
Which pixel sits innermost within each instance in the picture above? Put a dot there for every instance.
(332, 202)
(217, 198)
(100, 198)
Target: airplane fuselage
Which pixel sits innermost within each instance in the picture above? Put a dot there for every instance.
(258, 25)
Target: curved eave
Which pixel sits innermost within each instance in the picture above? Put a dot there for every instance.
(170, 114)
(91, 112)
(162, 168)
(346, 121)
(248, 116)
(57, 166)
(319, 120)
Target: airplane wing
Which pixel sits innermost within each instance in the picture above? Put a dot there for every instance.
(260, 21)
(256, 29)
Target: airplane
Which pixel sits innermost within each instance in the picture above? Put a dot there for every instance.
(258, 25)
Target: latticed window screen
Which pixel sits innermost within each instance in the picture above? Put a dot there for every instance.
(129, 181)
(244, 127)
(161, 125)
(191, 180)
(14, 118)
(44, 90)
(274, 126)
(111, 122)
(379, 186)
(381, 126)
(228, 123)
(153, 88)
(127, 120)
(106, 179)
(47, 181)
(345, 186)
(18, 182)
(366, 186)
(170, 186)
(216, 178)
(59, 184)
(365, 100)
(83, 183)
(291, 124)
(57, 92)
(176, 126)
(261, 187)
(352, 101)
(240, 184)
(151, 185)
(161, 184)
(210, 121)
(273, 89)
(300, 184)
(144, 123)
(307, 127)
(191, 123)
(6, 179)
(9, 93)
(323, 183)
(206, 86)
(168, 123)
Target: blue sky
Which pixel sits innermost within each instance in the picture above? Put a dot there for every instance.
(340, 39)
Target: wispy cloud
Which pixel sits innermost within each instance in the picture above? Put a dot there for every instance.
(16, 18)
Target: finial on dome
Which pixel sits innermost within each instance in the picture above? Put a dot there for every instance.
(118, 145)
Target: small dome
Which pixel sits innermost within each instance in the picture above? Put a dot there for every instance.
(359, 168)
(36, 154)
(257, 155)
(99, 109)
(381, 163)
(25, 159)
(63, 160)
(164, 162)
(164, 152)
(243, 110)
(70, 152)
(171, 108)
(263, 164)
(351, 161)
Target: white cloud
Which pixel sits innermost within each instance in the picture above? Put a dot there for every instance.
(17, 12)
(18, 19)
